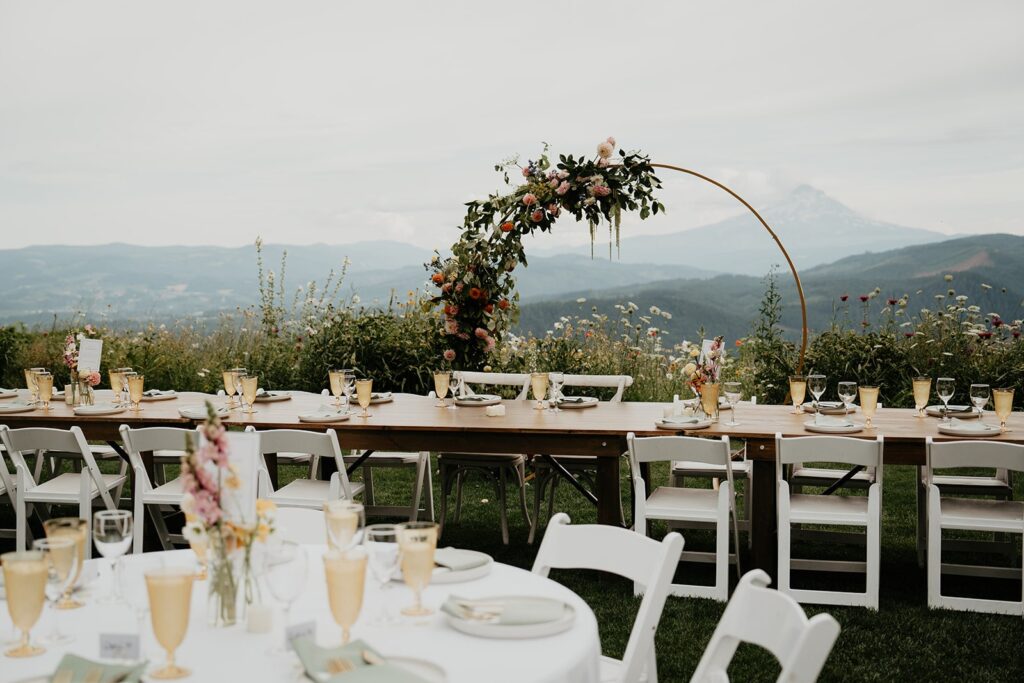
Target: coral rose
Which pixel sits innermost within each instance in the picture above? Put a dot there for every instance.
(611, 141)
(480, 333)
(503, 304)
(489, 308)
(508, 226)
(474, 293)
(537, 216)
(601, 190)
(529, 199)
(449, 355)
(563, 188)
(437, 278)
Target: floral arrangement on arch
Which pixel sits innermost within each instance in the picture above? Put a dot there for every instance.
(476, 288)
(89, 375)
(706, 369)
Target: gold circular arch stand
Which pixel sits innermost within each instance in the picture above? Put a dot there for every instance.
(792, 268)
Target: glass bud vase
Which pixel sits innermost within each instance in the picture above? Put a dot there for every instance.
(75, 386)
(84, 395)
(709, 400)
(222, 585)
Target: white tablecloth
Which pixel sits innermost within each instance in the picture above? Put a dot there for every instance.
(232, 654)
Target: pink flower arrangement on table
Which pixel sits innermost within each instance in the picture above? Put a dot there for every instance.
(708, 369)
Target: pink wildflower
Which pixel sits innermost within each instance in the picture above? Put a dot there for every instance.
(563, 188)
(529, 199)
(449, 355)
(480, 333)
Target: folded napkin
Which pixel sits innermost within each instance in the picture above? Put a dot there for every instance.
(83, 669)
(680, 420)
(381, 394)
(199, 412)
(969, 425)
(574, 399)
(826, 421)
(156, 392)
(475, 397)
(509, 611)
(316, 661)
(458, 560)
(953, 410)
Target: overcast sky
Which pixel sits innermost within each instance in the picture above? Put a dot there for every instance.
(212, 122)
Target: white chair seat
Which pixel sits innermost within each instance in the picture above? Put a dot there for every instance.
(686, 467)
(694, 505)
(166, 494)
(165, 456)
(293, 458)
(308, 493)
(828, 475)
(981, 515)
(813, 509)
(65, 488)
(386, 458)
(611, 671)
(973, 482)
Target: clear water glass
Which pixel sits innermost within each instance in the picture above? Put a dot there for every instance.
(62, 570)
(381, 544)
(733, 392)
(847, 392)
(557, 379)
(816, 384)
(945, 387)
(979, 397)
(285, 571)
(112, 534)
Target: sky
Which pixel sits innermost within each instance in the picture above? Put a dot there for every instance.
(201, 122)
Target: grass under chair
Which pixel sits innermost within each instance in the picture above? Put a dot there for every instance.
(904, 640)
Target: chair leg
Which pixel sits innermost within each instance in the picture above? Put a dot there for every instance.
(460, 476)
(417, 488)
(934, 549)
(161, 527)
(499, 482)
(874, 551)
(446, 489)
(368, 484)
(140, 523)
(783, 553)
(430, 488)
(553, 482)
(922, 519)
(520, 471)
(722, 556)
(539, 484)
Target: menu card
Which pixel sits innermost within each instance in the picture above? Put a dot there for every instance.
(89, 352)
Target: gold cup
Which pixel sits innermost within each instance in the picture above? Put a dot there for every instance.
(364, 394)
(868, 404)
(417, 542)
(77, 530)
(709, 400)
(25, 575)
(346, 581)
(797, 392)
(922, 392)
(170, 600)
(1002, 403)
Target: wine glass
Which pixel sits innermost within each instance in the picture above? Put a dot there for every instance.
(1002, 403)
(250, 387)
(364, 393)
(733, 392)
(922, 390)
(25, 578)
(847, 392)
(539, 385)
(458, 387)
(30, 383)
(349, 386)
(381, 543)
(442, 379)
(229, 386)
(136, 385)
(77, 530)
(285, 576)
(945, 387)
(61, 567)
(979, 397)
(797, 391)
(346, 581)
(557, 379)
(170, 597)
(337, 382)
(44, 387)
(343, 518)
(112, 534)
(115, 385)
(817, 385)
(868, 404)
(417, 542)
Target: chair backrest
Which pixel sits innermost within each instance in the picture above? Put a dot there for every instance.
(6, 478)
(46, 439)
(982, 454)
(300, 525)
(147, 439)
(772, 620)
(496, 379)
(834, 449)
(318, 444)
(623, 552)
(618, 382)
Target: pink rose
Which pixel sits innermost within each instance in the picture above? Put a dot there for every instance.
(93, 378)
(600, 190)
(611, 141)
(451, 326)
(602, 163)
(458, 288)
(526, 172)
(529, 199)
(554, 209)
(480, 333)
(605, 150)
(553, 183)
(449, 355)
(563, 188)
(490, 344)
(563, 174)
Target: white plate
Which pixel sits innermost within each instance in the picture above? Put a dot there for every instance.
(954, 411)
(514, 631)
(829, 408)
(323, 418)
(478, 400)
(16, 407)
(673, 423)
(162, 396)
(953, 430)
(586, 402)
(428, 671)
(852, 428)
(99, 409)
(381, 397)
(273, 396)
(8, 393)
(199, 412)
(443, 575)
(722, 403)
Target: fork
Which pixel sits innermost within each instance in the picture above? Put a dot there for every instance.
(339, 666)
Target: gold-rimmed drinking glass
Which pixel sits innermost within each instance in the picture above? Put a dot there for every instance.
(25, 576)
(228, 377)
(922, 392)
(337, 381)
(417, 542)
(170, 599)
(797, 392)
(539, 387)
(342, 519)
(1002, 404)
(136, 386)
(115, 385)
(62, 566)
(868, 403)
(250, 387)
(364, 394)
(30, 383)
(345, 572)
(44, 387)
(442, 381)
(77, 530)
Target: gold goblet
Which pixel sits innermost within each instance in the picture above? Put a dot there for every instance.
(539, 386)
(250, 386)
(442, 380)
(342, 519)
(1002, 403)
(868, 404)
(25, 575)
(170, 599)
(346, 581)
(44, 387)
(228, 376)
(77, 530)
(797, 392)
(922, 390)
(136, 384)
(417, 542)
(364, 393)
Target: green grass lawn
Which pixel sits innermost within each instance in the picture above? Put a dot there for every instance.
(903, 641)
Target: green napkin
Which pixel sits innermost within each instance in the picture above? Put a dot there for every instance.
(458, 560)
(80, 668)
(315, 660)
(509, 611)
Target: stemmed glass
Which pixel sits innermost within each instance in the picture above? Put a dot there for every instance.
(337, 381)
(364, 394)
(285, 575)
(817, 385)
(77, 530)
(343, 520)
(199, 542)
(442, 380)
(346, 581)
(136, 384)
(115, 385)
(112, 533)
(25, 578)
(868, 404)
(250, 387)
(349, 386)
(170, 597)
(457, 387)
(61, 568)
(733, 391)
(1002, 403)
(381, 543)
(30, 383)
(847, 392)
(945, 387)
(797, 391)
(557, 379)
(922, 390)
(229, 387)
(44, 387)
(979, 397)
(417, 542)
(539, 385)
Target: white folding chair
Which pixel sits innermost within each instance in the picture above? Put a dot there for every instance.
(497, 467)
(642, 560)
(772, 620)
(7, 492)
(65, 489)
(300, 525)
(307, 493)
(971, 514)
(148, 497)
(704, 506)
(837, 510)
(581, 466)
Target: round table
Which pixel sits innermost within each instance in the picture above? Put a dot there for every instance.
(233, 654)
